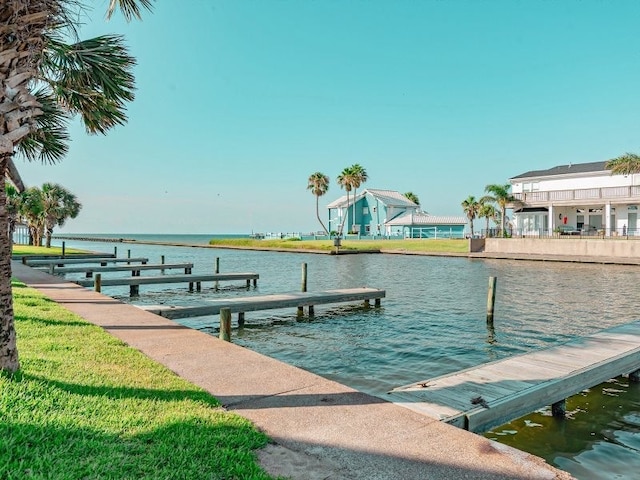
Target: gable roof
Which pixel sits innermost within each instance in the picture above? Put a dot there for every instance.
(565, 170)
(420, 218)
(390, 198)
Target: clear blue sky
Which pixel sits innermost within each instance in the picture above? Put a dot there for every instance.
(239, 101)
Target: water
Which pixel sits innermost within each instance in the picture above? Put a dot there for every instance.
(431, 323)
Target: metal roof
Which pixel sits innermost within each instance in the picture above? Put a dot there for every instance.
(419, 218)
(387, 197)
(564, 170)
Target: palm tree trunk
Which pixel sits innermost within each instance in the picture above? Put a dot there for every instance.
(353, 223)
(317, 215)
(503, 211)
(8, 349)
(346, 213)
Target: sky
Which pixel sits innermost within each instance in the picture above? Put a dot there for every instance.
(239, 101)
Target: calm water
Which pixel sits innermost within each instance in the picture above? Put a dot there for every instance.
(432, 322)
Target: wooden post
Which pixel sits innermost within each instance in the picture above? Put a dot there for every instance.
(225, 324)
(377, 302)
(304, 277)
(218, 271)
(63, 249)
(97, 283)
(198, 286)
(51, 268)
(634, 377)
(491, 299)
(311, 310)
(240, 319)
(134, 290)
(559, 409)
(162, 263)
(115, 251)
(191, 286)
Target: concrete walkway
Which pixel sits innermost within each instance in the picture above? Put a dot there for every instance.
(321, 429)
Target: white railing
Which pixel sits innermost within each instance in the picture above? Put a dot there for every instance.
(604, 193)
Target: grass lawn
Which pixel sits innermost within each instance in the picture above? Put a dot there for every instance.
(402, 245)
(20, 250)
(87, 406)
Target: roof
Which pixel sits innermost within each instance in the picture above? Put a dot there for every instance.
(565, 170)
(419, 218)
(387, 197)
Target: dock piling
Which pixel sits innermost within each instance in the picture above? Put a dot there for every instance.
(162, 263)
(225, 324)
(491, 299)
(559, 409)
(218, 271)
(634, 377)
(303, 288)
(63, 249)
(97, 283)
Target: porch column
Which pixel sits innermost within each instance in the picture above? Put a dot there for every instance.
(607, 219)
(551, 221)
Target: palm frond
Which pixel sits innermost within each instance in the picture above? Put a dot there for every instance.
(92, 78)
(49, 141)
(129, 8)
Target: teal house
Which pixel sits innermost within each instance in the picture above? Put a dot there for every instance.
(389, 213)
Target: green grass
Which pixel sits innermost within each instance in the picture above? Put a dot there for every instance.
(21, 250)
(403, 245)
(86, 406)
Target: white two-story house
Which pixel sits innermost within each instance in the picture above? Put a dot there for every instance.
(579, 198)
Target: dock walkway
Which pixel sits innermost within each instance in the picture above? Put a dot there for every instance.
(191, 279)
(46, 262)
(90, 270)
(267, 302)
(495, 393)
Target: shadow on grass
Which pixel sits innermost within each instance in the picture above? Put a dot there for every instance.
(214, 449)
(120, 392)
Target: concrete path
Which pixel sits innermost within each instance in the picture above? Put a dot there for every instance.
(321, 429)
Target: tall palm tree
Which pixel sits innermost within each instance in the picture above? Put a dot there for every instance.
(45, 80)
(59, 205)
(412, 197)
(318, 183)
(470, 207)
(626, 164)
(32, 210)
(345, 180)
(488, 212)
(358, 177)
(501, 195)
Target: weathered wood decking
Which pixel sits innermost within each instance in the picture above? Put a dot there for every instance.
(488, 395)
(269, 302)
(90, 270)
(191, 279)
(74, 261)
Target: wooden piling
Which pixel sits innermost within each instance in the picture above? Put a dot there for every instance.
(240, 319)
(63, 249)
(134, 290)
(218, 271)
(162, 263)
(491, 299)
(97, 283)
(115, 251)
(634, 377)
(304, 277)
(559, 409)
(225, 324)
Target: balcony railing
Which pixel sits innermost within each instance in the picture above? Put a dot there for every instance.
(603, 193)
(589, 232)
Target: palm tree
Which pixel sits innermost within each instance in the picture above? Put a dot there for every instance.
(345, 180)
(470, 207)
(318, 183)
(59, 205)
(501, 195)
(32, 210)
(626, 164)
(13, 209)
(45, 80)
(488, 212)
(412, 197)
(358, 177)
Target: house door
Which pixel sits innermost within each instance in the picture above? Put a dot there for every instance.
(633, 223)
(579, 222)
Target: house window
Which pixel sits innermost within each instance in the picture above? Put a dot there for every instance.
(365, 210)
(526, 187)
(535, 186)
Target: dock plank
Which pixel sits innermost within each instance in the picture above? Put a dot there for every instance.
(123, 268)
(72, 261)
(268, 302)
(160, 279)
(518, 385)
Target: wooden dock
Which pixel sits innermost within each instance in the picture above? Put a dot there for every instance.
(495, 393)
(74, 261)
(135, 282)
(90, 270)
(269, 302)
